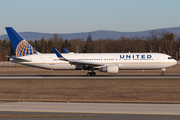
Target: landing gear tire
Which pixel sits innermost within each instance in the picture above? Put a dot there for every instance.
(162, 74)
(91, 74)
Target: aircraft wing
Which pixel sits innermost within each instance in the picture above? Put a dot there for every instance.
(77, 62)
(80, 63)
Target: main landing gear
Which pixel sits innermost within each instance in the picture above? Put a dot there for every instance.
(91, 72)
(163, 71)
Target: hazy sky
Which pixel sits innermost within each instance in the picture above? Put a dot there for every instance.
(72, 16)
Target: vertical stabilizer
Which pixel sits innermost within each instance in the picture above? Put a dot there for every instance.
(20, 45)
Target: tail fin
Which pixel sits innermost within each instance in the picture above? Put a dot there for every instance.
(20, 45)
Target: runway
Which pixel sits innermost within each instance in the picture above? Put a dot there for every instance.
(103, 108)
(100, 110)
(62, 77)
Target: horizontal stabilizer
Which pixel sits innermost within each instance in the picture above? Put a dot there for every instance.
(21, 59)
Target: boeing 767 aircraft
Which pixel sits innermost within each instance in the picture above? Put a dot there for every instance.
(104, 62)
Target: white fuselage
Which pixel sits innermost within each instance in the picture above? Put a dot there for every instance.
(123, 60)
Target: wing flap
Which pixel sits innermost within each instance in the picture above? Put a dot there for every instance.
(80, 63)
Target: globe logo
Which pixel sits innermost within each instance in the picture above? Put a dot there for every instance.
(24, 48)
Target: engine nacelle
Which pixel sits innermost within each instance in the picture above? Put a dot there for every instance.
(110, 69)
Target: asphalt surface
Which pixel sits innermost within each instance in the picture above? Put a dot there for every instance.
(13, 77)
(104, 111)
(96, 116)
(100, 108)
(95, 111)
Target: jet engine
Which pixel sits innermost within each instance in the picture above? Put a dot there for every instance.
(110, 69)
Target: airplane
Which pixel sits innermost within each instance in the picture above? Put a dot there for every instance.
(104, 62)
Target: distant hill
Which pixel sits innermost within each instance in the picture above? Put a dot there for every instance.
(95, 34)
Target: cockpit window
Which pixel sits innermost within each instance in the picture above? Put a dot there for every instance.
(170, 58)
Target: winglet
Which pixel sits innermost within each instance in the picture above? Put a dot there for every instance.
(65, 50)
(57, 52)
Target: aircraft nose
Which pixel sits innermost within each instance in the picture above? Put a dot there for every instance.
(175, 62)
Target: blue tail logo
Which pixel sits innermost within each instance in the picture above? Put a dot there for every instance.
(20, 45)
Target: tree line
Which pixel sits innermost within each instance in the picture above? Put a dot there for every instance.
(160, 42)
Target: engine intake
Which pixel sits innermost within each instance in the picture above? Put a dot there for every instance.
(110, 69)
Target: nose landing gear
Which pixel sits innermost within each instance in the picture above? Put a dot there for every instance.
(163, 71)
(162, 74)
